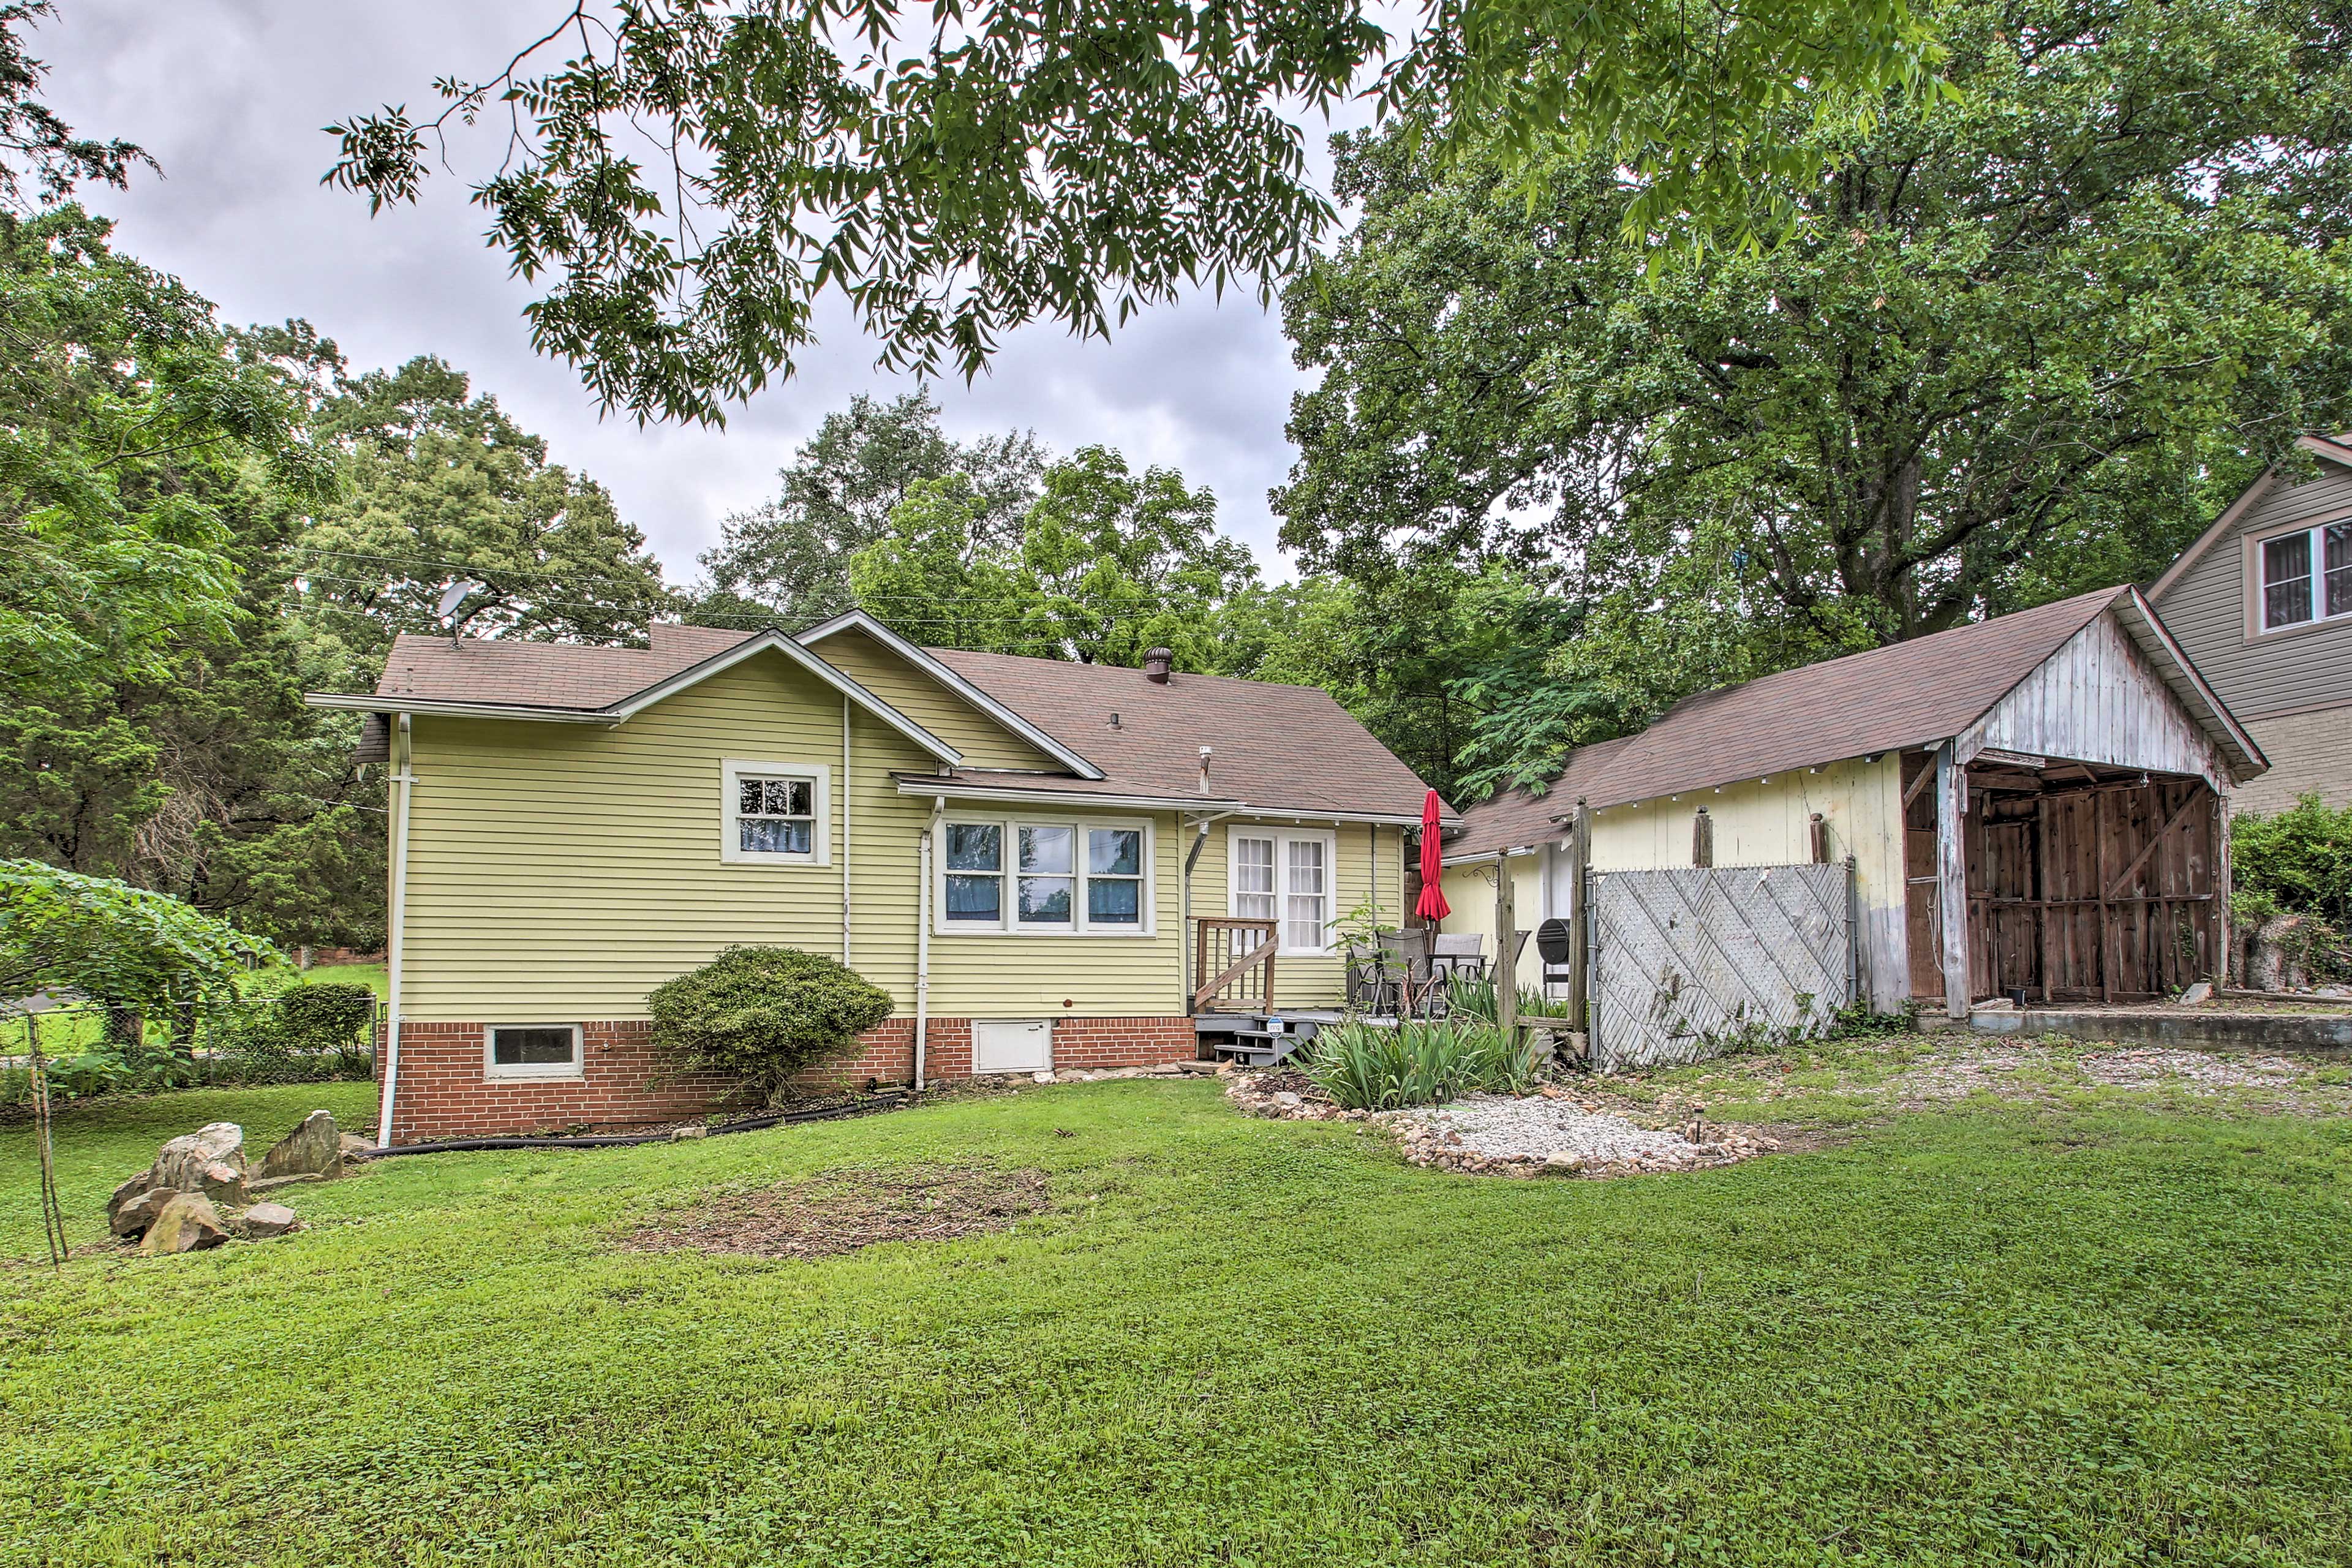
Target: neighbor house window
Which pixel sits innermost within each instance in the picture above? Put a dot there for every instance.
(531, 1050)
(1045, 876)
(2307, 575)
(775, 814)
(1284, 877)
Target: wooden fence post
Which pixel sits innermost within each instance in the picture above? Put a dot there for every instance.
(1506, 954)
(1580, 864)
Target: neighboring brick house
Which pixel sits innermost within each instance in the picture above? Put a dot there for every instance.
(2263, 605)
(1021, 851)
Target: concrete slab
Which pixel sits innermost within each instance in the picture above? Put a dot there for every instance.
(2312, 1033)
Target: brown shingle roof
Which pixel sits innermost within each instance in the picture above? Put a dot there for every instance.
(1518, 817)
(542, 674)
(1283, 749)
(1277, 748)
(1904, 694)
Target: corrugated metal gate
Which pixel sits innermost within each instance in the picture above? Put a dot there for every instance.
(1686, 961)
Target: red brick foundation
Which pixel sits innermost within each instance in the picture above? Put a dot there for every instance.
(444, 1093)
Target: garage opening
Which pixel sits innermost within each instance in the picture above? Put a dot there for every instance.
(2086, 882)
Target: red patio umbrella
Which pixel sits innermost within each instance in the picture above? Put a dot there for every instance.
(1432, 905)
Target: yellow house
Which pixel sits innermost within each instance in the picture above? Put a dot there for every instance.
(1046, 864)
(2033, 803)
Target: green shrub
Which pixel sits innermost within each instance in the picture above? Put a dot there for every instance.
(328, 1015)
(762, 1014)
(2298, 862)
(1368, 1066)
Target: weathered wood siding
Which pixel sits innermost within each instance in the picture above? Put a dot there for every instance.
(2300, 669)
(2098, 699)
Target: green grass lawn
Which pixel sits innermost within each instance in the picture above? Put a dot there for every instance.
(2098, 1334)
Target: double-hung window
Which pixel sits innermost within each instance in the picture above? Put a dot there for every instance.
(1045, 876)
(2307, 575)
(1286, 877)
(775, 814)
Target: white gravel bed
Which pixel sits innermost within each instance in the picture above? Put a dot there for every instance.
(1541, 1129)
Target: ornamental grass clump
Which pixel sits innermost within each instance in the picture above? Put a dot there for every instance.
(1366, 1067)
(763, 1013)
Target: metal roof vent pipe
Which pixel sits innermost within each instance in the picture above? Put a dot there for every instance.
(1156, 661)
(1206, 752)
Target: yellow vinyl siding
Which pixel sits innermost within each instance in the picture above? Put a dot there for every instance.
(559, 872)
(985, 742)
(1470, 896)
(1359, 848)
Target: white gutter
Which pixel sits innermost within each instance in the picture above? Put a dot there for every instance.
(923, 938)
(407, 705)
(402, 781)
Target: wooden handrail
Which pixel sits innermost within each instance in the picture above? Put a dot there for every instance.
(1231, 928)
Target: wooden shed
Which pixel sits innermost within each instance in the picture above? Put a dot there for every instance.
(2034, 803)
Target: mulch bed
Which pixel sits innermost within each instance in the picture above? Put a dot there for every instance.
(842, 1211)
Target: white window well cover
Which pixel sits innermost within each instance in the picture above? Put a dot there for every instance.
(531, 1050)
(777, 814)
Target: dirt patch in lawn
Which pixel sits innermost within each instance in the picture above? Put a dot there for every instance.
(842, 1211)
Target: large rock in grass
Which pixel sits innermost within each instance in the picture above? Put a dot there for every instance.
(188, 1223)
(313, 1149)
(210, 1161)
(130, 1217)
(264, 1220)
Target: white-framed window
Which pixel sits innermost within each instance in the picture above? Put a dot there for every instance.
(1045, 876)
(1286, 877)
(2304, 576)
(775, 814)
(531, 1050)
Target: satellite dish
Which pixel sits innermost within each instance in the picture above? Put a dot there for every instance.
(453, 595)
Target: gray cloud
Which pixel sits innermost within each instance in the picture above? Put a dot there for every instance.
(229, 95)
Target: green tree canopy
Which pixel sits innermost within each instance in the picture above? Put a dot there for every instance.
(2022, 340)
(441, 485)
(789, 559)
(958, 170)
(128, 426)
(37, 148)
(1107, 564)
(112, 941)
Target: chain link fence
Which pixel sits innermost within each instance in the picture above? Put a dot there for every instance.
(310, 1034)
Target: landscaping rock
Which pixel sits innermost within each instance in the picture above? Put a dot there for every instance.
(265, 1220)
(133, 1215)
(2201, 992)
(210, 1161)
(137, 1186)
(313, 1149)
(188, 1223)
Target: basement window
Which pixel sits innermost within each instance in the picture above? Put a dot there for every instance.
(531, 1050)
(2307, 575)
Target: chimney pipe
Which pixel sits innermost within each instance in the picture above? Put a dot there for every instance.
(1156, 661)
(1206, 752)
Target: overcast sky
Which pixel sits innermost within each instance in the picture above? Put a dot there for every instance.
(229, 96)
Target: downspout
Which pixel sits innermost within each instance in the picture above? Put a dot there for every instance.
(845, 831)
(403, 779)
(923, 936)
